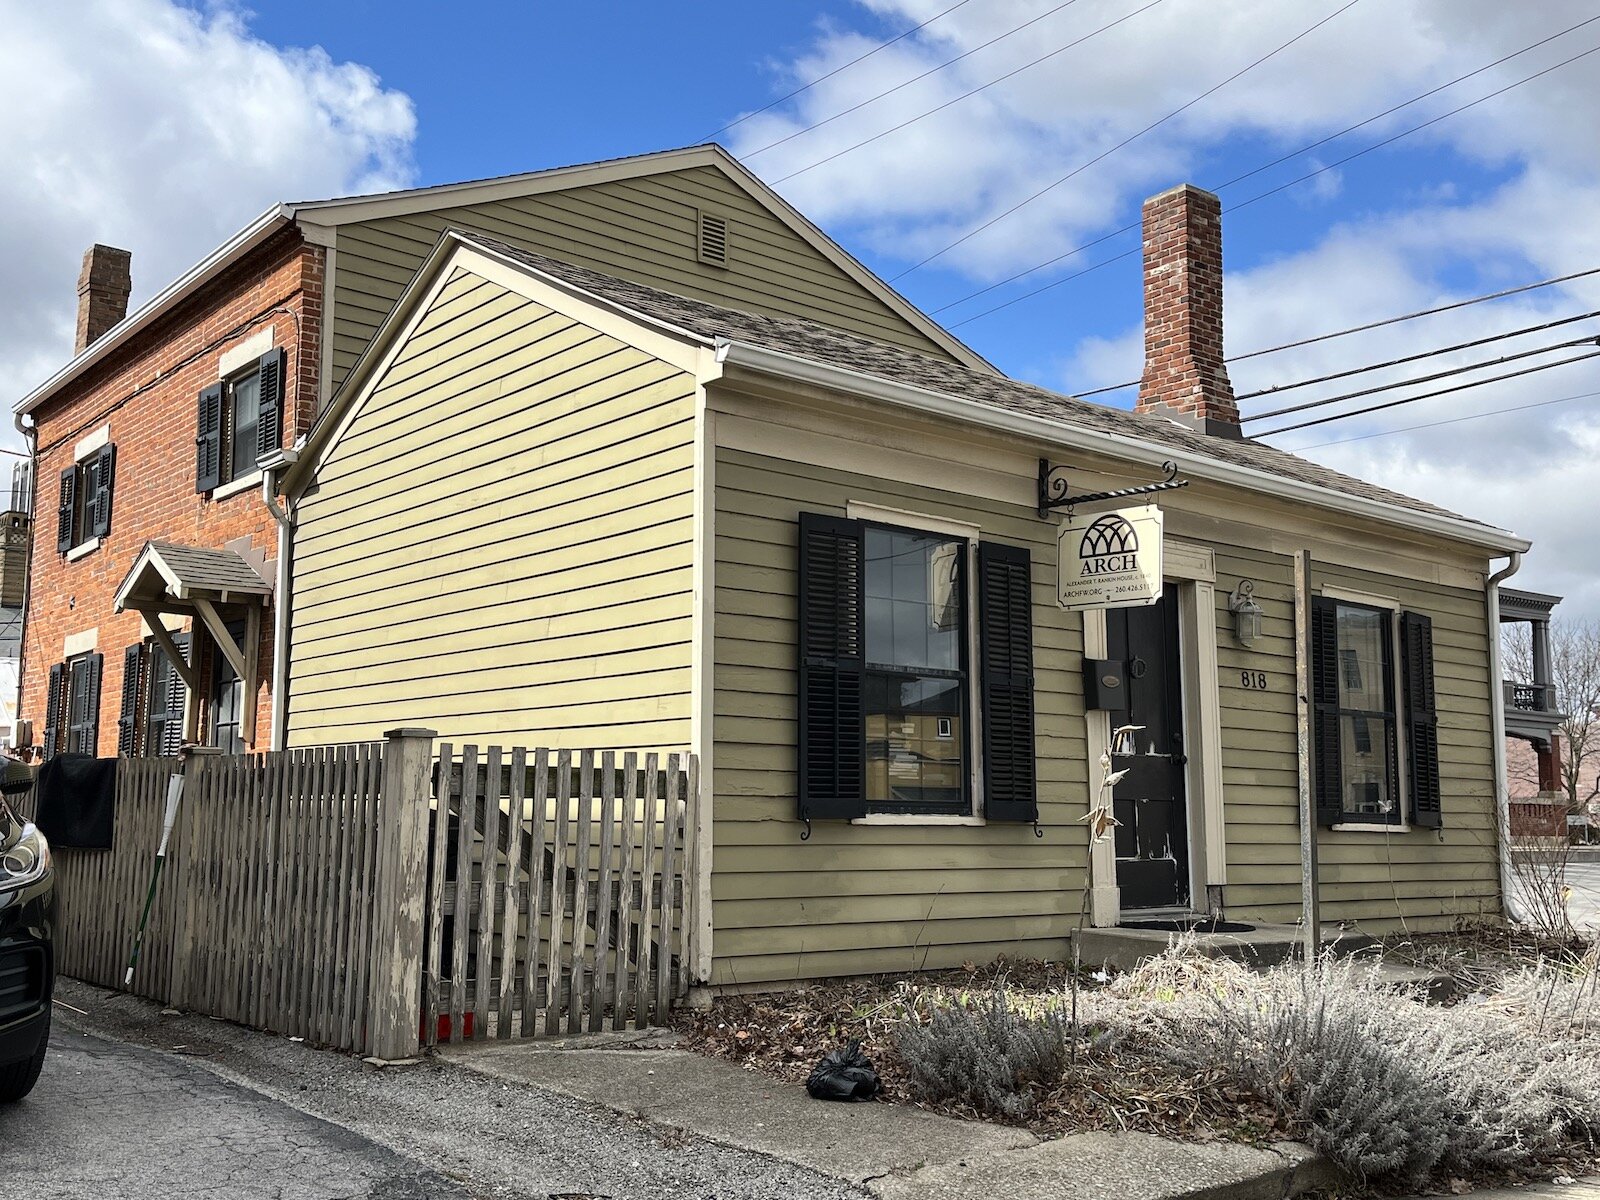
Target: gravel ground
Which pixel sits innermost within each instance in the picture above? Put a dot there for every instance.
(499, 1139)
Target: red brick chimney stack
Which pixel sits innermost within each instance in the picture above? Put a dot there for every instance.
(1184, 375)
(103, 287)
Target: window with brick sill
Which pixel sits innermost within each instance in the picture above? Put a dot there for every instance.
(83, 510)
(239, 420)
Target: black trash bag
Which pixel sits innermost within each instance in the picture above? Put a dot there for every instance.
(844, 1074)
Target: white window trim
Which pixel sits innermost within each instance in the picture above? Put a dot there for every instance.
(83, 549)
(234, 486)
(858, 510)
(1402, 763)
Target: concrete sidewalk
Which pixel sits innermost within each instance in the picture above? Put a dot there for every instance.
(893, 1151)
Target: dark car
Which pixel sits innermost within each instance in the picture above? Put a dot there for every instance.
(27, 957)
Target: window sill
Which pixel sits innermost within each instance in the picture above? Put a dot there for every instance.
(1368, 827)
(83, 549)
(916, 819)
(234, 486)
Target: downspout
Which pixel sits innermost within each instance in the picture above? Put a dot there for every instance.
(29, 429)
(271, 469)
(1497, 705)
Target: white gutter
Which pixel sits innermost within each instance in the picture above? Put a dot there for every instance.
(272, 466)
(202, 273)
(1497, 731)
(1066, 432)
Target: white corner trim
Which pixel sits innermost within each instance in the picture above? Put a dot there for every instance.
(859, 510)
(1364, 827)
(100, 437)
(85, 642)
(83, 549)
(916, 819)
(246, 352)
(234, 486)
(1355, 597)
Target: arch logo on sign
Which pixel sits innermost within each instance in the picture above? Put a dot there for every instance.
(1110, 559)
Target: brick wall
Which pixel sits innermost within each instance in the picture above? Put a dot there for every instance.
(146, 392)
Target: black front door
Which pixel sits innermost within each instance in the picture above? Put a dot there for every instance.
(1152, 841)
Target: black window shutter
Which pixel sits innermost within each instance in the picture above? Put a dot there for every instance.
(208, 440)
(52, 709)
(91, 734)
(177, 693)
(105, 471)
(1422, 719)
(65, 510)
(269, 425)
(132, 687)
(1005, 623)
(832, 750)
(1327, 769)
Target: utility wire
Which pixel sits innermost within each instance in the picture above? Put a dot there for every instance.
(914, 79)
(1460, 387)
(1437, 375)
(1104, 154)
(1493, 412)
(1133, 225)
(967, 94)
(1410, 358)
(829, 75)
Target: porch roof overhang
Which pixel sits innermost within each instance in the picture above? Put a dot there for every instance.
(168, 577)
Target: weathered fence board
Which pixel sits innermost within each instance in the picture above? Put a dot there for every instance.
(564, 902)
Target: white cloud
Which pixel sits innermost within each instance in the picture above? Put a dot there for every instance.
(1498, 195)
(146, 125)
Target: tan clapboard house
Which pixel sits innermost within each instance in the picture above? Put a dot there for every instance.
(639, 459)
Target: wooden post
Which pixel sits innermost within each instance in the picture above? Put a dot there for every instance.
(393, 1002)
(1310, 913)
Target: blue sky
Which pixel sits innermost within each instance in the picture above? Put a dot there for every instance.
(164, 126)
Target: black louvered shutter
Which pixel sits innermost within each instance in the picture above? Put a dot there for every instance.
(1422, 719)
(91, 729)
(208, 440)
(66, 509)
(1327, 769)
(177, 694)
(52, 709)
(1005, 625)
(132, 688)
(105, 473)
(832, 751)
(269, 423)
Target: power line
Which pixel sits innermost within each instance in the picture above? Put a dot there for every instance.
(1437, 375)
(1460, 387)
(967, 94)
(1493, 412)
(1104, 262)
(1409, 358)
(914, 79)
(1133, 225)
(829, 75)
(1104, 154)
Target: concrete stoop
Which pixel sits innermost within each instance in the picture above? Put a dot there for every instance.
(892, 1151)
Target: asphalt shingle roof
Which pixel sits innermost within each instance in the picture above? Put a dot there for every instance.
(819, 343)
(210, 570)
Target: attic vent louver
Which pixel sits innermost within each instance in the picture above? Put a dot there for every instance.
(713, 240)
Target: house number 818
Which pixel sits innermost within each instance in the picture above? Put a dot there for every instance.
(1256, 681)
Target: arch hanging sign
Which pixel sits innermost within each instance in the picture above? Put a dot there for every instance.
(1110, 559)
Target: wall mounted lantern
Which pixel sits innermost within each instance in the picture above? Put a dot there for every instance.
(1246, 613)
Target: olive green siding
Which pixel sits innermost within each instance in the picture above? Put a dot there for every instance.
(862, 898)
(643, 229)
(480, 553)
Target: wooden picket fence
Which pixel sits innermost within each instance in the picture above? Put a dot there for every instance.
(556, 894)
(351, 896)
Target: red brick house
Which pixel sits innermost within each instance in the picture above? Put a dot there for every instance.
(154, 594)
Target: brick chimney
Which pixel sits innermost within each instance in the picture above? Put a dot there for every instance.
(1184, 375)
(103, 287)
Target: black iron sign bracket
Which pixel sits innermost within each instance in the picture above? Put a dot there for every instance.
(1055, 495)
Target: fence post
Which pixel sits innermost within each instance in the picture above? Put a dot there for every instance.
(184, 879)
(394, 999)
